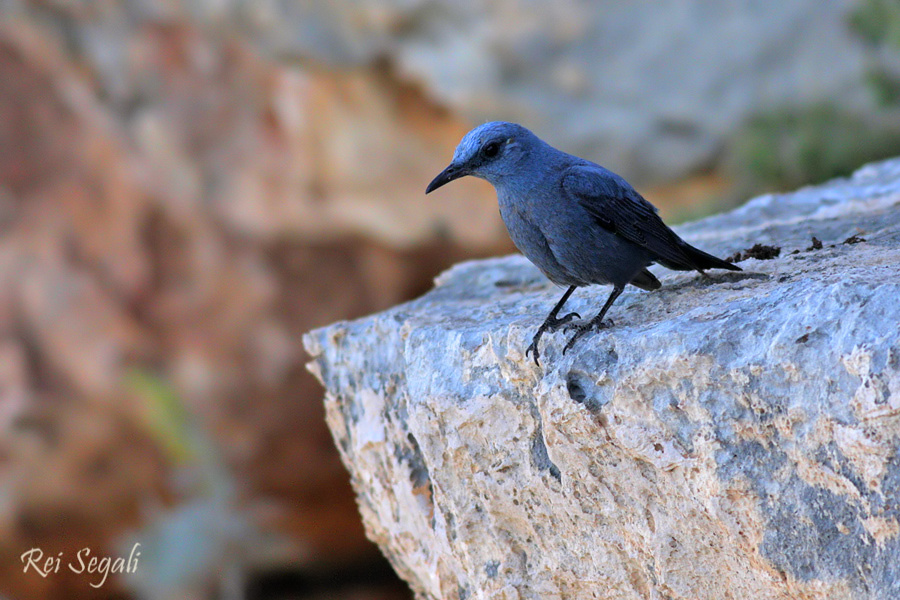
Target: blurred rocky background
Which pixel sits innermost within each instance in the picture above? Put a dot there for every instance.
(187, 186)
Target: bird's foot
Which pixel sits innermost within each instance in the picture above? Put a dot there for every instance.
(581, 330)
(554, 324)
(590, 326)
(551, 324)
(533, 347)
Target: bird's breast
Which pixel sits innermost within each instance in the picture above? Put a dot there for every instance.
(531, 241)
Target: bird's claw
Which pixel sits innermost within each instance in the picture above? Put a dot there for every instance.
(588, 326)
(549, 325)
(581, 330)
(534, 348)
(565, 320)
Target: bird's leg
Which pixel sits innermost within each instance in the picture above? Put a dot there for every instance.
(596, 322)
(551, 323)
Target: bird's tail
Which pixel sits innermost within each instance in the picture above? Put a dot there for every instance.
(646, 281)
(698, 260)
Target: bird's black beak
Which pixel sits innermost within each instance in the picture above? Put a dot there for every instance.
(446, 176)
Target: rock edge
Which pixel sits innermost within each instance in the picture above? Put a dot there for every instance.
(731, 437)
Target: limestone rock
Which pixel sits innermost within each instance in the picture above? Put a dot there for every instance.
(730, 437)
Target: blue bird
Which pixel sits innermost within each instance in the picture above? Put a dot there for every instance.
(579, 223)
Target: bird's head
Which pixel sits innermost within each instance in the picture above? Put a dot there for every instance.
(491, 151)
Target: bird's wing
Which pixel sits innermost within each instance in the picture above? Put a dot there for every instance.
(618, 208)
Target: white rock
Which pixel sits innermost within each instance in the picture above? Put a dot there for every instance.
(731, 437)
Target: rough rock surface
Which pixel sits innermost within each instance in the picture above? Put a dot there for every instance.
(731, 437)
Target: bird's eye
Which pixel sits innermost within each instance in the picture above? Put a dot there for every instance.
(491, 149)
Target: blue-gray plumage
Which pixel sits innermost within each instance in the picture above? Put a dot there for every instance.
(578, 222)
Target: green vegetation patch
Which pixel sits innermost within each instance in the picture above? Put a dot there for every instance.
(790, 147)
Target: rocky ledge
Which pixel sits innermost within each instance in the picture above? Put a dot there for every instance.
(730, 437)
